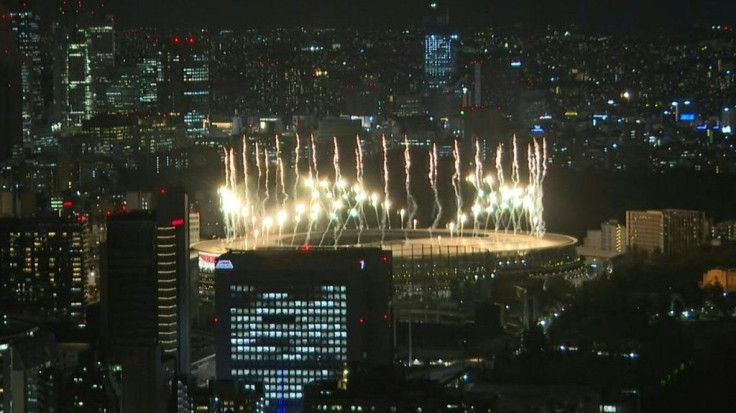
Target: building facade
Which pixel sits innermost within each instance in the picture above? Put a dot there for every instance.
(613, 236)
(667, 231)
(46, 265)
(145, 299)
(286, 317)
(726, 278)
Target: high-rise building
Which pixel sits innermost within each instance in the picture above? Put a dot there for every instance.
(10, 93)
(440, 54)
(145, 299)
(187, 81)
(45, 264)
(25, 25)
(73, 91)
(286, 317)
(101, 38)
(667, 231)
(147, 277)
(439, 59)
(120, 91)
(150, 76)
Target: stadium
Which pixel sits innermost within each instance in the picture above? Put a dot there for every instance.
(494, 233)
(438, 275)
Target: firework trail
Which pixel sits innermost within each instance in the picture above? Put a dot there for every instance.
(358, 161)
(280, 165)
(499, 165)
(266, 195)
(515, 165)
(359, 190)
(478, 163)
(227, 168)
(314, 160)
(456, 181)
(500, 197)
(411, 202)
(386, 201)
(296, 167)
(277, 171)
(233, 177)
(476, 181)
(336, 160)
(260, 175)
(433, 184)
(226, 188)
(245, 172)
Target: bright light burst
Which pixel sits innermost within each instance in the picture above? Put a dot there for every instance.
(319, 206)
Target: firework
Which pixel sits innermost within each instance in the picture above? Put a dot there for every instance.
(327, 206)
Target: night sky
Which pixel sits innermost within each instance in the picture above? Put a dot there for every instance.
(617, 14)
(593, 15)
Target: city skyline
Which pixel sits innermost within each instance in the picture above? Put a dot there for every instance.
(367, 206)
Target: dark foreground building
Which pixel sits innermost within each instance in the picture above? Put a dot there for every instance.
(287, 317)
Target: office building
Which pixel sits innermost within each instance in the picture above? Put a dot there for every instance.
(73, 89)
(28, 373)
(11, 97)
(227, 396)
(440, 43)
(440, 63)
(101, 39)
(150, 75)
(186, 85)
(145, 299)
(287, 317)
(667, 231)
(45, 264)
(25, 25)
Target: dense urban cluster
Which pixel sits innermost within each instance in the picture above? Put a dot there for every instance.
(123, 289)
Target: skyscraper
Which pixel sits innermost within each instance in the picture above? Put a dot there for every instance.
(73, 93)
(146, 298)
(25, 25)
(441, 97)
(440, 54)
(101, 37)
(286, 317)
(10, 92)
(150, 75)
(187, 81)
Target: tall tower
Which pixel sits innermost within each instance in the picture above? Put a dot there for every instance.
(72, 75)
(145, 298)
(187, 81)
(25, 25)
(10, 91)
(440, 63)
(440, 54)
(150, 76)
(101, 36)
